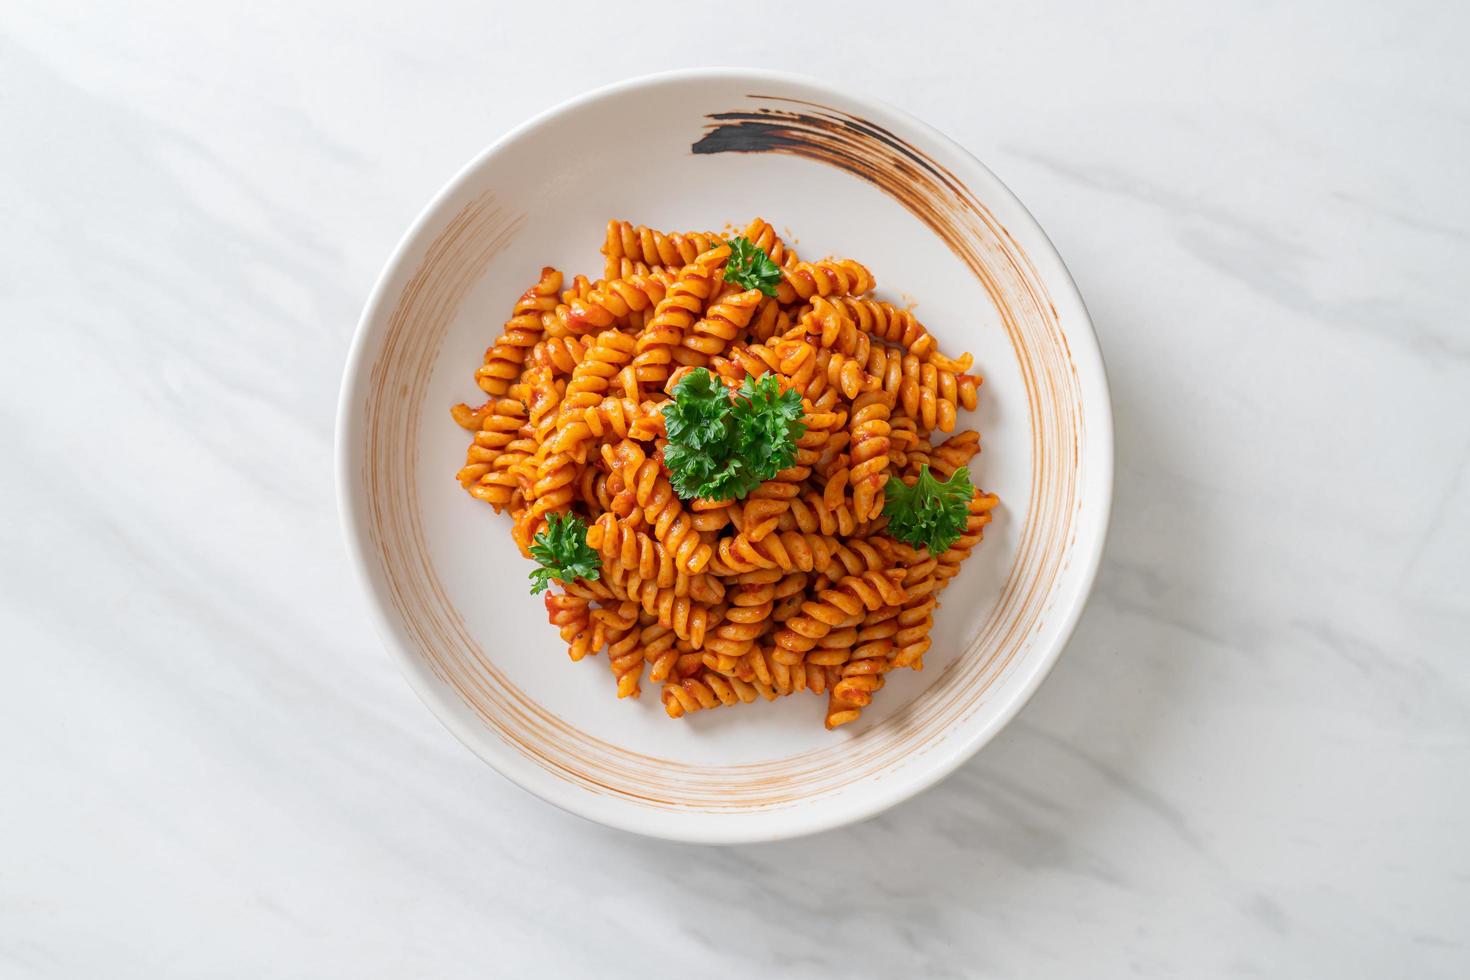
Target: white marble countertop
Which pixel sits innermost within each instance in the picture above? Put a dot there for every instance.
(1253, 760)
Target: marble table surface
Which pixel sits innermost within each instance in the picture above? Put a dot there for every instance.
(1254, 758)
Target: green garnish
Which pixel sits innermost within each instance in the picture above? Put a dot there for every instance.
(561, 548)
(749, 267)
(930, 513)
(721, 447)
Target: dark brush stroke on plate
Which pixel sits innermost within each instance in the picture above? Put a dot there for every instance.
(827, 135)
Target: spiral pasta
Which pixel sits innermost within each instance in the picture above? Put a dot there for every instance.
(617, 628)
(654, 249)
(747, 618)
(724, 321)
(496, 450)
(613, 303)
(502, 364)
(634, 472)
(659, 345)
(829, 277)
(572, 616)
(798, 585)
(830, 607)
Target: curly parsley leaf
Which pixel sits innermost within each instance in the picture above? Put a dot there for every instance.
(769, 425)
(700, 433)
(721, 447)
(930, 514)
(749, 267)
(561, 548)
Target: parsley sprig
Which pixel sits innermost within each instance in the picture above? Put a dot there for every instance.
(749, 267)
(930, 514)
(561, 548)
(721, 447)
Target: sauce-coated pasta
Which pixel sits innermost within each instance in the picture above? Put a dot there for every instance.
(797, 586)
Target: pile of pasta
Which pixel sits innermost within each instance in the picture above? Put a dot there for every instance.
(794, 588)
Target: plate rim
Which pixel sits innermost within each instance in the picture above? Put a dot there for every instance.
(1084, 347)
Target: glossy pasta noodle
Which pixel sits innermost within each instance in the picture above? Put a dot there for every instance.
(797, 586)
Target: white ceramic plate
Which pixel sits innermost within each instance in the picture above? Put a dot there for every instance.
(696, 150)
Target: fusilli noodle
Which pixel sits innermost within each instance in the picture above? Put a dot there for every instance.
(799, 585)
